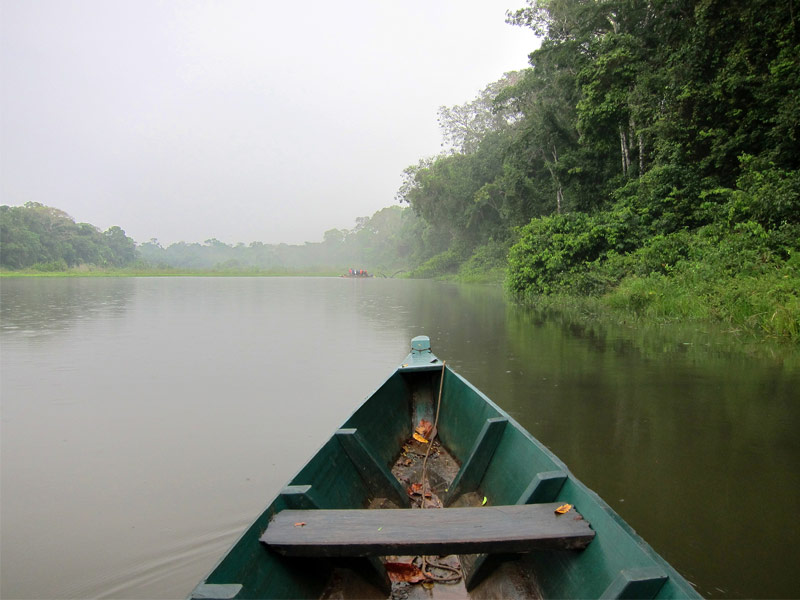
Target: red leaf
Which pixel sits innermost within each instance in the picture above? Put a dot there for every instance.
(415, 489)
(404, 572)
(424, 428)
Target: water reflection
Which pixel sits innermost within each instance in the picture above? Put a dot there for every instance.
(163, 414)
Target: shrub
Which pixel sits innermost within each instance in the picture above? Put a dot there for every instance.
(487, 263)
(560, 253)
(444, 263)
(51, 266)
(767, 195)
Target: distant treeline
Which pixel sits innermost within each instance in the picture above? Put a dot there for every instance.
(48, 239)
(43, 238)
(383, 243)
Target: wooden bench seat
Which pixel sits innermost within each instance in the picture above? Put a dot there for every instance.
(442, 531)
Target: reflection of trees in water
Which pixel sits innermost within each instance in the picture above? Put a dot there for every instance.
(655, 341)
(41, 306)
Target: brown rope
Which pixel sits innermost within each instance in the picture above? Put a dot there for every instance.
(425, 560)
(435, 429)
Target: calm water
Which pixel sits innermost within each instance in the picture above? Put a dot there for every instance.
(146, 422)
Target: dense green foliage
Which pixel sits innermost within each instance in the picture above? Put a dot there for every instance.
(47, 239)
(649, 156)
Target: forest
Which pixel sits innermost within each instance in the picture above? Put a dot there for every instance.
(44, 239)
(648, 158)
(48, 239)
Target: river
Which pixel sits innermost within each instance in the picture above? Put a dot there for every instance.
(146, 421)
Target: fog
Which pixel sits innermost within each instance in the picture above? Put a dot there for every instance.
(239, 120)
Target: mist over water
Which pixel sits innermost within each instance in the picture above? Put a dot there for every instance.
(146, 422)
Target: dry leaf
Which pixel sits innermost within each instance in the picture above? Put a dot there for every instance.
(564, 508)
(416, 490)
(424, 428)
(419, 438)
(300, 524)
(404, 572)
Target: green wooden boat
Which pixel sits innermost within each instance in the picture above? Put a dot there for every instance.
(501, 515)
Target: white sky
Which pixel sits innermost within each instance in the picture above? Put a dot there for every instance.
(243, 120)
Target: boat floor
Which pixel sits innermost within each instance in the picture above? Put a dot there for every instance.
(509, 580)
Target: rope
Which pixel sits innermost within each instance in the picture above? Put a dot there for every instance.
(435, 429)
(425, 560)
(440, 578)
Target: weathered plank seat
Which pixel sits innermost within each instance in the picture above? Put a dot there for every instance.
(489, 529)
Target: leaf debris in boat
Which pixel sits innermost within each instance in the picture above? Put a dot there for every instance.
(563, 509)
(416, 490)
(400, 571)
(425, 428)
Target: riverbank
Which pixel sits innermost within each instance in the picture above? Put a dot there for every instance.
(658, 338)
(758, 302)
(747, 309)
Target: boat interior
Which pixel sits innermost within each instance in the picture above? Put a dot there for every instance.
(423, 447)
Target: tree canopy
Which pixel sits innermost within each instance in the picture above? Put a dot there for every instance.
(646, 137)
(47, 238)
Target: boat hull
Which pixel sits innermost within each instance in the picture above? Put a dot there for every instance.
(498, 461)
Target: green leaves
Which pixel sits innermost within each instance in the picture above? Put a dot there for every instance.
(35, 234)
(553, 253)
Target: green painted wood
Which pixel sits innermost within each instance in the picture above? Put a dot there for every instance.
(543, 488)
(520, 528)
(384, 421)
(517, 461)
(264, 574)
(336, 480)
(375, 474)
(372, 569)
(299, 497)
(616, 547)
(421, 343)
(472, 470)
(463, 414)
(636, 583)
(477, 567)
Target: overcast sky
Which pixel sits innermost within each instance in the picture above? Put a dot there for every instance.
(242, 120)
